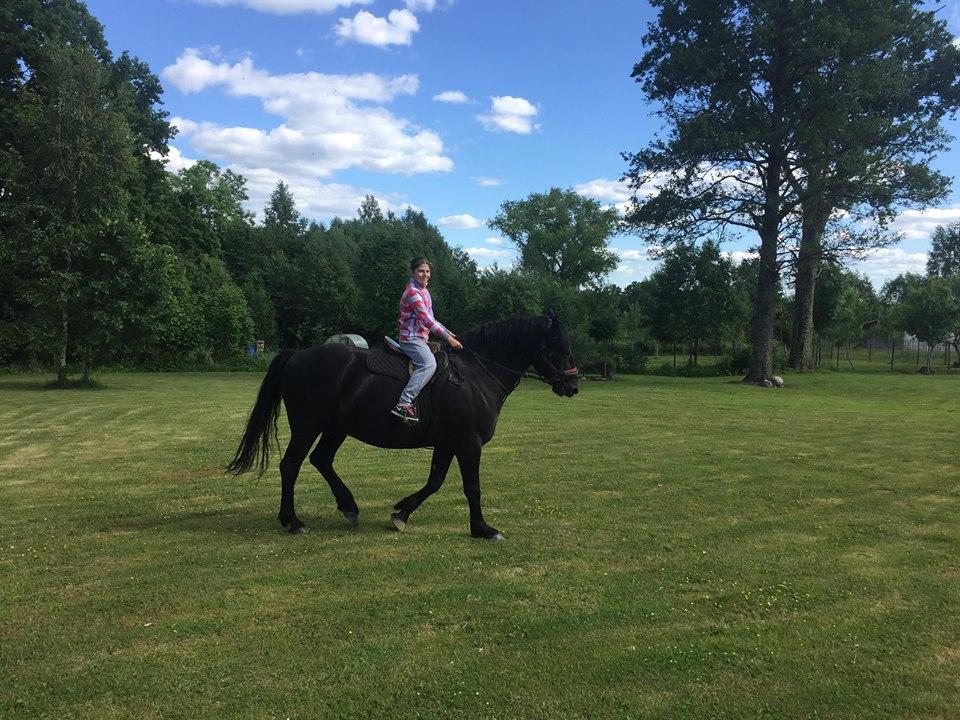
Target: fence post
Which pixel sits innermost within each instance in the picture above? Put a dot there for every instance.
(893, 345)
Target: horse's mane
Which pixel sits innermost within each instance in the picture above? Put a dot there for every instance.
(509, 338)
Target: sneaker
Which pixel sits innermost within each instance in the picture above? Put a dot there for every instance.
(405, 412)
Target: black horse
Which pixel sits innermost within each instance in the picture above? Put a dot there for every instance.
(329, 392)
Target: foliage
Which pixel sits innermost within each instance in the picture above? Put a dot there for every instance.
(929, 310)
(944, 256)
(783, 113)
(560, 234)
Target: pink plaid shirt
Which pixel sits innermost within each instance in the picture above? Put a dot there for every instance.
(416, 314)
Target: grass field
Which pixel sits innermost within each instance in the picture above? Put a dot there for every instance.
(675, 549)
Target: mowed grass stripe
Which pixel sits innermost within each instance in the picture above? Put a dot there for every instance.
(676, 548)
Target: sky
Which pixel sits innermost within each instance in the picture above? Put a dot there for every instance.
(452, 107)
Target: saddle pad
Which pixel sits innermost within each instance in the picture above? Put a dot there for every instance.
(389, 364)
(399, 366)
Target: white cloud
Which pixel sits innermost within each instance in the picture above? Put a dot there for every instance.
(493, 241)
(883, 264)
(325, 127)
(452, 96)
(510, 114)
(485, 253)
(615, 191)
(460, 222)
(174, 160)
(418, 5)
(738, 256)
(488, 181)
(395, 29)
(633, 255)
(314, 199)
(920, 224)
(287, 7)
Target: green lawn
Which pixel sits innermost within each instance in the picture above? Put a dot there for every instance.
(675, 549)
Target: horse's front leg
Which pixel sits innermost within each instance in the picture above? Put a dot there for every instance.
(469, 460)
(439, 465)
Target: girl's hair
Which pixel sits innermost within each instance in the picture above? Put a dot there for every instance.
(418, 261)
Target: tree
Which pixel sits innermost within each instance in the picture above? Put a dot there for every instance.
(944, 257)
(693, 298)
(929, 311)
(69, 165)
(852, 309)
(281, 213)
(560, 234)
(877, 85)
(721, 71)
(747, 88)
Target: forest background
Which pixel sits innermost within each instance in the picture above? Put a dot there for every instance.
(108, 259)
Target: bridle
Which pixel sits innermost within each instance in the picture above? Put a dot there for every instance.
(556, 374)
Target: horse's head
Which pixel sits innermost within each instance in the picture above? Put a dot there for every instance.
(555, 364)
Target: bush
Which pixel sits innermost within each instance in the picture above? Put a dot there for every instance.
(631, 357)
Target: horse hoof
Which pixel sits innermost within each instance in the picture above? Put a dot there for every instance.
(352, 518)
(398, 522)
(298, 530)
(498, 536)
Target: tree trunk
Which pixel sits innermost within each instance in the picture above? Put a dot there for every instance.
(768, 222)
(62, 355)
(809, 261)
(86, 365)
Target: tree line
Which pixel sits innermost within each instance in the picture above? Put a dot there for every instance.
(807, 125)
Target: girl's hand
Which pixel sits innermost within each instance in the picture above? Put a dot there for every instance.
(454, 343)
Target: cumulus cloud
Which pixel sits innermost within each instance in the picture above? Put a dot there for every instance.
(920, 224)
(315, 199)
(605, 190)
(395, 29)
(510, 114)
(488, 181)
(452, 96)
(174, 160)
(288, 7)
(330, 122)
(617, 192)
(738, 256)
(485, 253)
(633, 265)
(460, 222)
(420, 5)
(493, 241)
(883, 264)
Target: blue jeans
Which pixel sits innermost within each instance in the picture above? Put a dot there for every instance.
(425, 366)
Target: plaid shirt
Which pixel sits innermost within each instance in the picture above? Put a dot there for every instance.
(416, 314)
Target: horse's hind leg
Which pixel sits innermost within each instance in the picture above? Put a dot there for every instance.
(322, 459)
(297, 449)
(438, 471)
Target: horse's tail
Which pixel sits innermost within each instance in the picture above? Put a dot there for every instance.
(255, 445)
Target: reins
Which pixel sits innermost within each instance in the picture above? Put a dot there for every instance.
(521, 374)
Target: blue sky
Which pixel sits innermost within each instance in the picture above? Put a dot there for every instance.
(451, 106)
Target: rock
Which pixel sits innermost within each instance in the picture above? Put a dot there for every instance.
(777, 381)
(766, 383)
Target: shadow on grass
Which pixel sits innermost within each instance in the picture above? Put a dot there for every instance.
(51, 385)
(240, 520)
(22, 385)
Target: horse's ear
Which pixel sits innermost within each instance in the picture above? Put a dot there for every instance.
(550, 313)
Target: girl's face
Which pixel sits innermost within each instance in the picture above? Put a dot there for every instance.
(422, 274)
